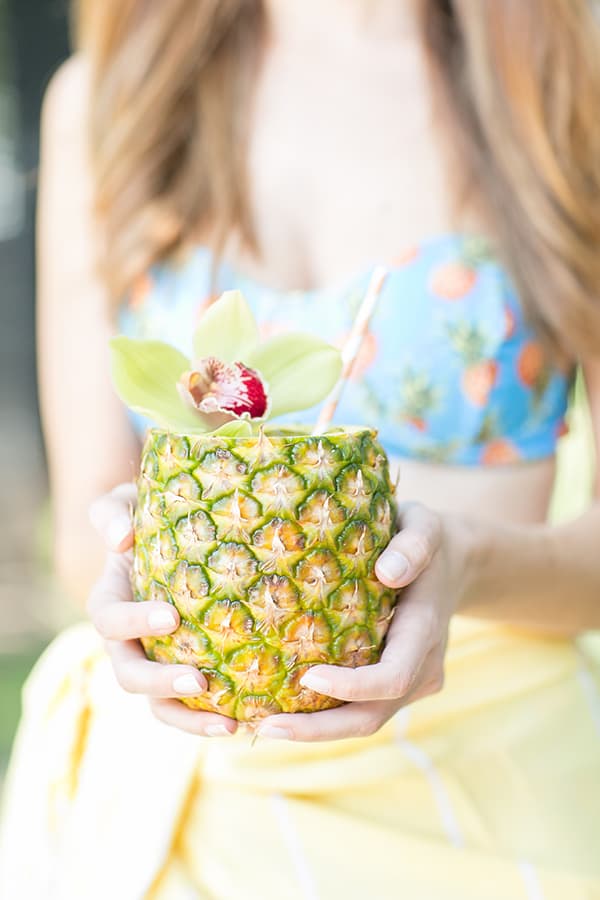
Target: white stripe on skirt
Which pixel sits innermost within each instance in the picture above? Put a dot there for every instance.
(589, 688)
(531, 881)
(425, 764)
(294, 847)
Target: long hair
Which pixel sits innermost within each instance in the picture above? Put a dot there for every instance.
(517, 86)
(170, 96)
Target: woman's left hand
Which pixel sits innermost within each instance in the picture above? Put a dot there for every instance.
(422, 559)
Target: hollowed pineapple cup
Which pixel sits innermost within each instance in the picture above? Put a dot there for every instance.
(267, 546)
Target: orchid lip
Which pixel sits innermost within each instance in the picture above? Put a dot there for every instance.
(232, 389)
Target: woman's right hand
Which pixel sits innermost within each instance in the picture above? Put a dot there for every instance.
(121, 622)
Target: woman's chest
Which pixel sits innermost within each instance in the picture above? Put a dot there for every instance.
(343, 166)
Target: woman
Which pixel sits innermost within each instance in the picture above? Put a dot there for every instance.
(280, 147)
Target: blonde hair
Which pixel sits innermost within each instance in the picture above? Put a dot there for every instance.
(517, 85)
(171, 90)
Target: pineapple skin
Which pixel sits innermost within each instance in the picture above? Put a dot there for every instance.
(266, 545)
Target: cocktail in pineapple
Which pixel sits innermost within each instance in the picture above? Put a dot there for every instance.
(263, 536)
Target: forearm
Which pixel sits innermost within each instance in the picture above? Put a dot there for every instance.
(79, 558)
(535, 576)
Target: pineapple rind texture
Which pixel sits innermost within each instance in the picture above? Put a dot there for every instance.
(266, 545)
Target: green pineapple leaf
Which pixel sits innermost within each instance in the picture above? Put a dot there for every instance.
(227, 329)
(145, 375)
(300, 370)
(236, 428)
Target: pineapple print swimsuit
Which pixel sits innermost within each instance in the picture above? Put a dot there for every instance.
(489, 790)
(450, 371)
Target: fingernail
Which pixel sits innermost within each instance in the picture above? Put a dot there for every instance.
(160, 620)
(217, 731)
(392, 565)
(187, 684)
(118, 530)
(274, 731)
(316, 683)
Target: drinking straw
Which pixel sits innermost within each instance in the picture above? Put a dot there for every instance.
(352, 346)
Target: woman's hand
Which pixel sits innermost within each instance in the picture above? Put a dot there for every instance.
(121, 621)
(423, 560)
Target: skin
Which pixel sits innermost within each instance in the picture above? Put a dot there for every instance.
(364, 70)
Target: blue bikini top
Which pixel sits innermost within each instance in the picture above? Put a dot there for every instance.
(449, 372)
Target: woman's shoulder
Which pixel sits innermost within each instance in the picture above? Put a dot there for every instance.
(65, 104)
(65, 179)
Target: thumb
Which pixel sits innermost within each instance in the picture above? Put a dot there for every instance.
(412, 549)
(111, 516)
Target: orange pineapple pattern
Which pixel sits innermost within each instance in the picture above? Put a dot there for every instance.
(453, 280)
(499, 452)
(456, 278)
(418, 398)
(480, 372)
(530, 363)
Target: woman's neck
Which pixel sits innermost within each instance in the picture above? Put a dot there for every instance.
(370, 20)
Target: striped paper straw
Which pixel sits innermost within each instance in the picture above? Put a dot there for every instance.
(352, 346)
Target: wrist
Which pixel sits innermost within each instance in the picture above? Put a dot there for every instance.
(465, 542)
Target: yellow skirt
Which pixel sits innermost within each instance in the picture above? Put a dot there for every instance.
(487, 791)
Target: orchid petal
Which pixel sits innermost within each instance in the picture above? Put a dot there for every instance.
(145, 375)
(300, 370)
(236, 428)
(227, 329)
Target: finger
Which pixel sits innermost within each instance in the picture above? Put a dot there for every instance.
(116, 616)
(115, 580)
(408, 642)
(138, 675)
(353, 719)
(350, 720)
(174, 713)
(430, 679)
(120, 620)
(412, 549)
(111, 516)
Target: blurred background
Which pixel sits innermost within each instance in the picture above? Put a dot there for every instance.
(33, 42)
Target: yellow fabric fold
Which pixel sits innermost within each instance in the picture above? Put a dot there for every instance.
(490, 789)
